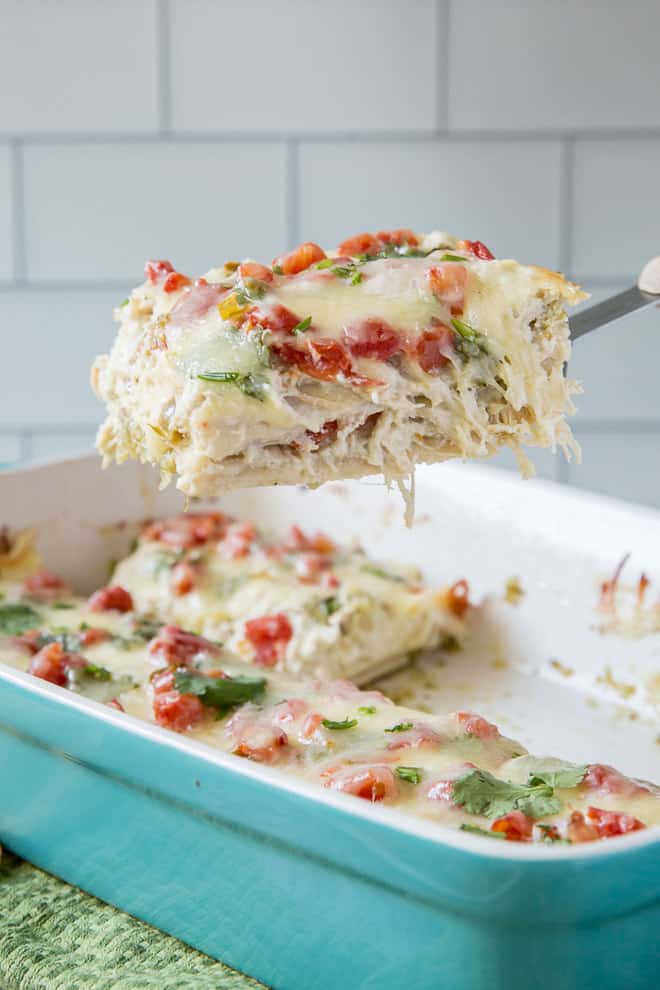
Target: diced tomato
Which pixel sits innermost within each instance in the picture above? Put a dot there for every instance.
(360, 244)
(440, 790)
(297, 541)
(51, 664)
(475, 725)
(310, 565)
(238, 541)
(195, 303)
(289, 710)
(190, 529)
(175, 281)
(44, 586)
(329, 580)
(478, 249)
(607, 780)
(116, 704)
(515, 826)
(311, 724)
(611, 823)
(276, 318)
(162, 680)
(420, 735)
(325, 435)
(323, 359)
(256, 738)
(399, 237)
(251, 269)
(175, 646)
(447, 282)
(178, 711)
(183, 578)
(457, 597)
(371, 783)
(300, 258)
(578, 830)
(433, 349)
(155, 270)
(269, 636)
(28, 641)
(372, 338)
(93, 636)
(115, 599)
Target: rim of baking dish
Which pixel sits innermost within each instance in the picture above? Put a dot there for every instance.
(382, 814)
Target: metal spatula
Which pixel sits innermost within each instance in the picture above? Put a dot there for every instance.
(645, 293)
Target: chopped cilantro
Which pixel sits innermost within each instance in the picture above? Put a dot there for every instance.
(278, 270)
(379, 572)
(551, 835)
(17, 617)
(452, 257)
(470, 342)
(219, 376)
(348, 723)
(133, 545)
(412, 775)
(326, 263)
(303, 325)
(482, 831)
(400, 727)
(367, 710)
(480, 793)
(343, 271)
(146, 629)
(356, 278)
(321, 611)
(220, 693)
(555, 773)
(123, 303)
(63, 605)
(98, 673)
(253, 386)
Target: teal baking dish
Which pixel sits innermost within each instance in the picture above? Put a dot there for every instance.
(307, 889)
(301, 888)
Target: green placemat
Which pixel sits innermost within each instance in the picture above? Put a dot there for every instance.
(55, 937)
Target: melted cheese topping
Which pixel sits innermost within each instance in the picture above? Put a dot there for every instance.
(329, 372)
(337, 736)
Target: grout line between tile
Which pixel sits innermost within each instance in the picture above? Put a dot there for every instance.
(163, 67)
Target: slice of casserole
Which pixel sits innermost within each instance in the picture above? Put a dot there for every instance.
(302, 604)
(400, 348)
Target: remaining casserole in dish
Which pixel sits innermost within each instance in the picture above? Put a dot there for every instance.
(397, 349)
(301, 603)
(457, 770)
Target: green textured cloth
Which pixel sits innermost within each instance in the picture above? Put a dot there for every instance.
(55, 937)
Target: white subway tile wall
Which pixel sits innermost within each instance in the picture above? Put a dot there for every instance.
(201, 130)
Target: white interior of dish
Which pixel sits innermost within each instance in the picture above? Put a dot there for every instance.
(472, 522)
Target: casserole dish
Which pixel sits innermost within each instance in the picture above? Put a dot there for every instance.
(305, 888)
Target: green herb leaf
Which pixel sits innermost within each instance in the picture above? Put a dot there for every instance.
(348, 723)
(125, 302)
(452, 257)
(367, 710)
(343, 271)
(482, 831)
(278, 270)
(356, 278)
(321, 611)
(252, 386)
(98, 673)
(17, 617)
(219, 376)
(326, 263)
(550, 837)
(303, 325)
(63, 605)
(465, 330)
(412, 775)
(470, 343)
(401, 727)
(379, 572)
(220, 692)
(480, 793)
(555, 773)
